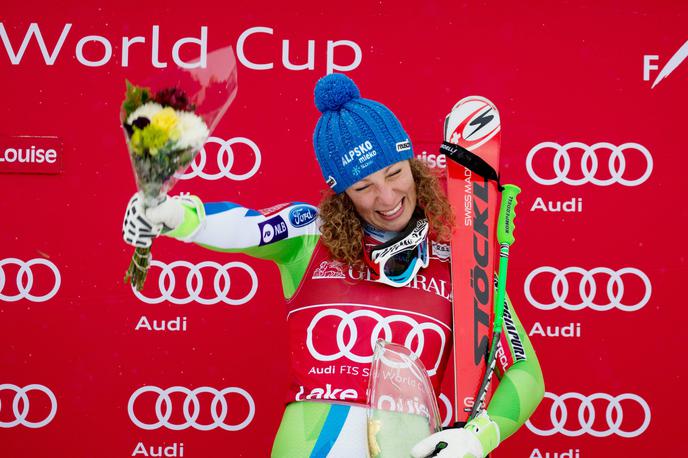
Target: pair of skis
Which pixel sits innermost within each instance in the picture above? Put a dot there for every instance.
(472, 134)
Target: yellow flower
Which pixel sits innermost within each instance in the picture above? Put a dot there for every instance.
(137, 142)
(165, 119)
(150, 138)
(154, 138)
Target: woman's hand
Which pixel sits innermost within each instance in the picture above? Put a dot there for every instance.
(450, 443)
(141, 226)
(475, 440)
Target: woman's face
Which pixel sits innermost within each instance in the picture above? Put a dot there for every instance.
(387, 198)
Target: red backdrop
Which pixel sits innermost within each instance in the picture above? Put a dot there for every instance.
(591, 98)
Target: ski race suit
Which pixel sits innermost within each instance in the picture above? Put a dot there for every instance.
(336, 313)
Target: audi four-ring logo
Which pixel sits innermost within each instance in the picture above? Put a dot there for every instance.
(25, 279)
(194, 283)
(561, 163)
(382, 330)
(225, 161)
(21, 405)
(588, 288)
(191, 408)
(614, 415)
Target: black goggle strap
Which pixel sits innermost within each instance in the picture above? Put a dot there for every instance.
(471, 161)
(410, 228)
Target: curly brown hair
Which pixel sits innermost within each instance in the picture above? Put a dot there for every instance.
(342, 227)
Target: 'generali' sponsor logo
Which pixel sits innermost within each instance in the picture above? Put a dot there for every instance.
(97, 50)
(30, 154)
(329, 269)
(335, 269)
(426, 283)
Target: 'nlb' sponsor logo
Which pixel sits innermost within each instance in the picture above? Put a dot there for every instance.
(273, 230)
(30, 154)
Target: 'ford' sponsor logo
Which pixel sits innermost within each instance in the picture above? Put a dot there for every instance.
(302, 215)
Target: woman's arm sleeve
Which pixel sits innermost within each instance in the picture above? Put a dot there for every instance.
(521, 386)
(286, 233)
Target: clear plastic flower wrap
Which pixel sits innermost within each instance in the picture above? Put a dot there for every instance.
(166, 121)
(402, 407)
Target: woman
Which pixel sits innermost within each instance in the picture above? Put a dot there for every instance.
(350, 272)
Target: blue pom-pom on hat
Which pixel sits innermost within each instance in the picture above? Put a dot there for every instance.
(334, 91)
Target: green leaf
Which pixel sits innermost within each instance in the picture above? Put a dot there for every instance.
(135, 96)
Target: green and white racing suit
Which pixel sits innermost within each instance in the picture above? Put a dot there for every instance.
(335, 311)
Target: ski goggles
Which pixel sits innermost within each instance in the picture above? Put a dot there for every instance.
(397, 261)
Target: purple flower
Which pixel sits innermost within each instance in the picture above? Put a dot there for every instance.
(175, 98)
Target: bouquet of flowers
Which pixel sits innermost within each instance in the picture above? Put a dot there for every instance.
(166, 127)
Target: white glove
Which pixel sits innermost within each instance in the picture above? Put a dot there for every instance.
(140, 227)
(475, 440)
(460, 443)
(169, 213)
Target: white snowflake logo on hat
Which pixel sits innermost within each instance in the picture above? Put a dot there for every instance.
(356, 171)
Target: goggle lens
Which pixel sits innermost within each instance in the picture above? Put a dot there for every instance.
(400, 269)
(401, 262)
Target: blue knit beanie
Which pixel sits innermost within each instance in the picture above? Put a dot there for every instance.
(354, 137)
